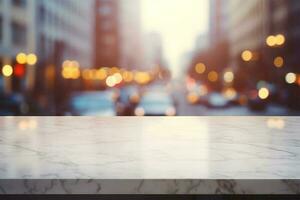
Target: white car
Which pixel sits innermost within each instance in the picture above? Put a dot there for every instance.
(93, 104)
(156, 104)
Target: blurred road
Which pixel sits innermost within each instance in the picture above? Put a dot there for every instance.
(126, 104)
(186, 109)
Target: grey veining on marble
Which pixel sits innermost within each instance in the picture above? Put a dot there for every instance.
(154, 155)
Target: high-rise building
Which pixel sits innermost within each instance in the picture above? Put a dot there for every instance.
(118, 34)
(17, 33)
(53, 30)
(268, 31)
(107, 51)
(246, 25)
(153, 50)
(131, 53)
(202, 43)
(251, 22)
(66, 24)
(218, 19)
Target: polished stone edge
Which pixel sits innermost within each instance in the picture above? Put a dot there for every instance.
(196, 187)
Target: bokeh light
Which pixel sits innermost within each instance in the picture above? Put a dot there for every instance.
(263, 93)
(101, 74)
(279, 62)
(192, 98)
(111, 81)
(276, 123)
(31, 59)
(7, 70)
(213, 76)
(200, 68)
(280, 39)
(128, 76)
(291, 78)
(21, 58)
(271, 41)
(247, 55)
(229, 77)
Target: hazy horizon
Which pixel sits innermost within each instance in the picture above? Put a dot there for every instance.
(179, 23)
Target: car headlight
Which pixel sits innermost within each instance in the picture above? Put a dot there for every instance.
(135, 98)
(192, 98)
(139, 111)
(171, 111)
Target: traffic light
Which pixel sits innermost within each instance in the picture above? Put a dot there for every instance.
(19, 70)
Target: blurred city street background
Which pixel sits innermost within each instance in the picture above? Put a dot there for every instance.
(149, 58)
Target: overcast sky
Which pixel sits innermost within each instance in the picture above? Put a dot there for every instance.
(179, 22)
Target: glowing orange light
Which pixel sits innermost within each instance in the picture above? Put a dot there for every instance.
(21, 58)
(271, 41)
(142, 78)
(114, 70)
(192, 98)
(247, 55)
(213, 76)
(128, 76)
(31, 59)
(200, 68)
(101, 74)
(279, 62)
(280, 39)
(230, 93)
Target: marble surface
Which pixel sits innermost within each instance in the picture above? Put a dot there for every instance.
(153, 155)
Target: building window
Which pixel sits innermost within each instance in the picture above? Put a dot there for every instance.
(18, 34)
(19, 3)
(1, 30)
(105, 10)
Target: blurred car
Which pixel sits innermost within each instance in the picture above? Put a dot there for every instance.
(217, 100)
(197, 95)
(156, 104)
(128, 100)
(11, 105)
(255, 103)
(93, 104)
(234, 98)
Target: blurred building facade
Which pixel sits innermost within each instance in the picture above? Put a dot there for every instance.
(218, 21)
(17, 25)
(106, 33)
(153, 50)
(118, 34)
(131, 52)
(53, 31)
(69, 24)
(247, 26)
(255, 27)
(212, 56)
(251, 23)
(43, 27)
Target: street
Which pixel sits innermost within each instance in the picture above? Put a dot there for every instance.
(186, 109)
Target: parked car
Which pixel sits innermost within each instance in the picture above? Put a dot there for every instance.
(255, 103)
(156, 104)
(93, 104)
(10, 105)
(128, 100)
(217, 100)
(198, 95)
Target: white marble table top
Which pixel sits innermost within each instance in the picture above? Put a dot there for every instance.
(151, 148)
